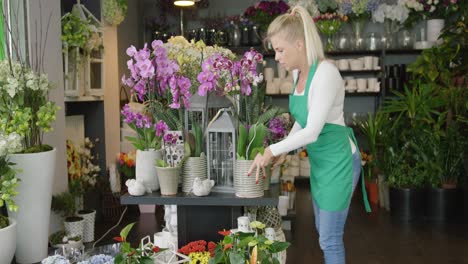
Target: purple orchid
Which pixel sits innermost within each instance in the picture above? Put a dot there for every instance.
(153, 73)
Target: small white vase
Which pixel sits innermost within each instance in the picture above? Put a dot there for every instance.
(434, 27)
(8, 242)
(145, 168)
(88, 230)
(168, 179)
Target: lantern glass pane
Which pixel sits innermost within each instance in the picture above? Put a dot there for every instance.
(95, 77)
(221, 158)
(194, 117)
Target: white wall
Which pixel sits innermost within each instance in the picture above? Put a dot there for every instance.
(53, 67)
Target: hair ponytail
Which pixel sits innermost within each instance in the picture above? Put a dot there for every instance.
(298, 24)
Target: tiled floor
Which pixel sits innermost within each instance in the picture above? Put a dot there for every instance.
(369, 238)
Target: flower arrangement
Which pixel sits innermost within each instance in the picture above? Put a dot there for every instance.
(126, 165)
(263, 13)
(190, 55)
(247, 247)
(397, 13)
(114, 11)
(25, 107)
(358, 9)
(129, 255)
(157, 81)
(197, 251)
(8, 182)
(394, 16)
(82, 170)
(329, 24)
(309, 5)
(430, 9)
(221, 74)
(149, 133)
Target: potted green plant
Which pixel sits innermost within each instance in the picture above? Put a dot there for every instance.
(8, 190)
(27, 111)
(167, 169)
(60, 239)
(64, 204)
(194, 164)
(252, 247)
(144, 254)
(408, 160)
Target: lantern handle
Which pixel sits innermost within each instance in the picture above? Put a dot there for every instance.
(220, 111)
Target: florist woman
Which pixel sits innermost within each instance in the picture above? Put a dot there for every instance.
(317, 106)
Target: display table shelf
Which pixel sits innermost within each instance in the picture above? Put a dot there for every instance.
(214, 199)
(200, 218)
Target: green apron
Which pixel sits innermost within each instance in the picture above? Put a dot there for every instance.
(331, 161)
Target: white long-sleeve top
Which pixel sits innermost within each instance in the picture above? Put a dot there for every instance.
(325, 105)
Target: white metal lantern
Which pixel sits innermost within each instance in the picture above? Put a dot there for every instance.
(84, 73)
(204, 108)
(220, 144)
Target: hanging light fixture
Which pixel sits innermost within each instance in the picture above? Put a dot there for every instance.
(184, 3)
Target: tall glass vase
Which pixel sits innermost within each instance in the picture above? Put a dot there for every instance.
(358, 30)
(391, 27)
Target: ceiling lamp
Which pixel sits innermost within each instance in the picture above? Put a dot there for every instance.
(184, 3)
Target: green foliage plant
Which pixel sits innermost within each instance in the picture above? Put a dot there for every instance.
(251, 247)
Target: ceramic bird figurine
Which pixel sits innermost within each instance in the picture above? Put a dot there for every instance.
(202, 187)
(135, 187)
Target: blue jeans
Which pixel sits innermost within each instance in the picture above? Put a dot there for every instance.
(330, 225)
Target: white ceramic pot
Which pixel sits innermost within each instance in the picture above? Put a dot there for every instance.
(8, 242)
(194, 167)
(89, 220)
(246, 186)
(168, 180)
(434, 27)
(145, 168)
(36, 172)
(74, 226)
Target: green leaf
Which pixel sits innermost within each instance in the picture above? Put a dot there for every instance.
(242, 141)
(126, 230)
(161, 163)
(255, 151)
(146, 260)
(119, 259)
(279, 246)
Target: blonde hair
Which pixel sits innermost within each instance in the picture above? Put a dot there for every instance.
(298, 25)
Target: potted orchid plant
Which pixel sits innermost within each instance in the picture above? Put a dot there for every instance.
(157, 82)
(168, 169)
(242, 85)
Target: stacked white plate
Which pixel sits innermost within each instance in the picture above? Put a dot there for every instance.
(246, 186)
(193, 167)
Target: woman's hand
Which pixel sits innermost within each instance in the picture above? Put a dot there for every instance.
(260, 162)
